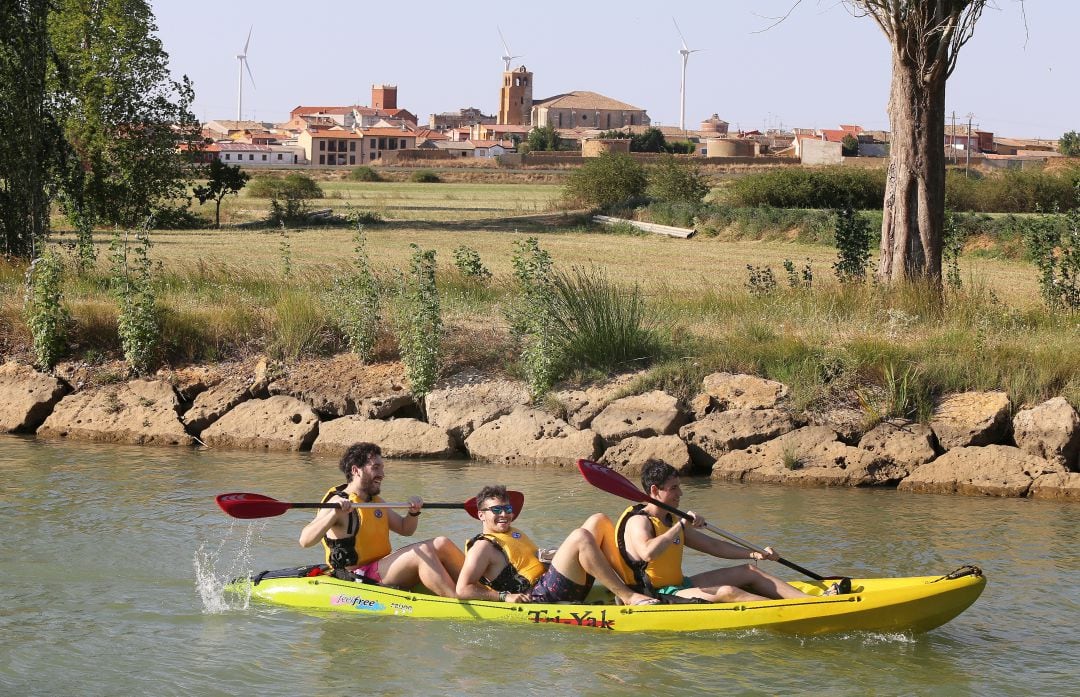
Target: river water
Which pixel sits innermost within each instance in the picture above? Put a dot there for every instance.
(112, 560)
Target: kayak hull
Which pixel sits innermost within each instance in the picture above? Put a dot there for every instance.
(891, 605)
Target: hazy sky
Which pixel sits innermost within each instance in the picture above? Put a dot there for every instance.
(819, 68)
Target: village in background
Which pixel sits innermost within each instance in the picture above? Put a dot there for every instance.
(383, 132)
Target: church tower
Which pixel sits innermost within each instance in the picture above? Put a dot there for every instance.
(516, 98)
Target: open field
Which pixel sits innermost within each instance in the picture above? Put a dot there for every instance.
(224, 296)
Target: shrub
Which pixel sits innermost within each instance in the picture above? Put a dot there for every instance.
(420, 322)
(293, 186)
(354, 301)
(530, 315)
(820, 187)
(424, 176)
(608, 180)
(139, 320)
(678, 181)
(178, 218)
(43, 308)
(468, 262)
(1055, 250)
(364, 174)
(852, 246)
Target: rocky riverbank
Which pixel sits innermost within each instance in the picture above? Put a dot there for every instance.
(738, 427)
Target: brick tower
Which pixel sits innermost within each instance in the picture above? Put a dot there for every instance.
(516, 97)
(384, 97)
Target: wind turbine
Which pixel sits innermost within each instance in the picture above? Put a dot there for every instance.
(506, 56)
(685, 53)
(242, 58)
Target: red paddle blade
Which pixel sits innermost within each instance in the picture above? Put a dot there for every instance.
(241, 505)
(517, 500)
(610, 481)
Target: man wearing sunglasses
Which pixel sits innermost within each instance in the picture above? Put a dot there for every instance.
(357, 540)
(502, 563)
(651, 544)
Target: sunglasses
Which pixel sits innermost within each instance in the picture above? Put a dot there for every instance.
(508, 509)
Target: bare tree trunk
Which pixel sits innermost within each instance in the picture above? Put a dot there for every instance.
(914, 209)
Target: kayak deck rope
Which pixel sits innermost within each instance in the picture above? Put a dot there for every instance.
(965, 570)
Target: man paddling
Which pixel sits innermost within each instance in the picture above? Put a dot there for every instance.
(651, 545)
(502, 562)
(357, 540)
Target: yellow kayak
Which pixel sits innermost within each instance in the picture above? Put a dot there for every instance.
(907, 605)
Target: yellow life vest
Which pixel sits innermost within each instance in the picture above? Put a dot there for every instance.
(664, 570)
(368, 534)
(520, 553)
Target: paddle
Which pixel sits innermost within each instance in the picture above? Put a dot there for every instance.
(243, 505)
(614, 483)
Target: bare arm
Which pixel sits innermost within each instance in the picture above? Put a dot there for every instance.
(325, 520)
(479, 561)
(406, 525)
(641, 541)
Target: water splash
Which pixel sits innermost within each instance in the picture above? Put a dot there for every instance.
(216, 568)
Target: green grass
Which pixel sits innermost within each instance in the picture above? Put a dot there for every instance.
(224, 297)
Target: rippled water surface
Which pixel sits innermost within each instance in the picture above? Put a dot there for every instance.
(112, 559)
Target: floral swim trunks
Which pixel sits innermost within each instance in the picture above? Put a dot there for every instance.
(553, 587)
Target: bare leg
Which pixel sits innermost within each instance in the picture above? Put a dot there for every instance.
(746, 582)
(579, 556)
(422, 562)
(603, 531)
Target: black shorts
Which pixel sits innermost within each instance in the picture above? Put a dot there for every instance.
(553, 587)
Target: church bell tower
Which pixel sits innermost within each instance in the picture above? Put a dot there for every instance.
(516, 97)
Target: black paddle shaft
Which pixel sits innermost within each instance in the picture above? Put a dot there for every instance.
(334, 505)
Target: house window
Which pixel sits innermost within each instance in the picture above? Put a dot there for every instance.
(322, 159)
(584, 118)
(251, 156)
(226, 156)
(352, 159)
(352, 146)
(402, 144)
(372, 143)
(393, 143)
(341, 146)
(279, 156)
(264, 157)
(322, 145)
(382, 143)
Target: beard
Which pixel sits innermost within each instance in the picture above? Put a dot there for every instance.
(371, 489)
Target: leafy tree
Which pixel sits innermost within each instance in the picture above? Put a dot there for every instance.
(677, 180)
(121, 111)
(1069, 145)
(222, 180)
(608, 180)
(649, 140)
(28, 148)
(544, 138)
(926, 38)
(849, 146)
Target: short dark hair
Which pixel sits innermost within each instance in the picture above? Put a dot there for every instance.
(492, 491)
(358, 454)
(656, 472)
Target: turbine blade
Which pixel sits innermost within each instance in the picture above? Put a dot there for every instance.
(506, 46)
(250, 76)
(681, 37)
(248, 39)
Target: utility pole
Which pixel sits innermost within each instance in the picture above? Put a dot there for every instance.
(967, 148)
(952, 139)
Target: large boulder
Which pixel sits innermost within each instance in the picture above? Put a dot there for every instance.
(654, 413)
(27, 397)
(530, 437)
(811, 455)
(467, 400)
(582, 405)
(1050, 430)
(140, 412)
(723, 431)
(403, 438)
(992, 470)
(630, 455)
(211, 405)
(1061, 486)
(277, 423)
(901, 442)
(344, 385)
(849, 423)
(735, 391)
(971, 418)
